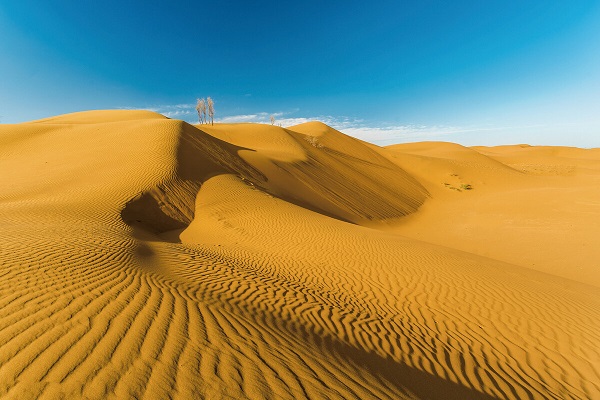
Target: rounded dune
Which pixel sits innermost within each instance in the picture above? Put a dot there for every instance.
(143, 257)
(533, 206)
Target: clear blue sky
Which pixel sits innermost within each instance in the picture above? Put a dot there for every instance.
(472, 72)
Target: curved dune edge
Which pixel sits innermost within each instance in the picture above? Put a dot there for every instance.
(269, 294)
(337, 176)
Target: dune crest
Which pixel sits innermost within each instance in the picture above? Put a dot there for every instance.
(337, 176)
(144, 257)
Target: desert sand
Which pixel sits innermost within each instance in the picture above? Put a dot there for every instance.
(143, 257)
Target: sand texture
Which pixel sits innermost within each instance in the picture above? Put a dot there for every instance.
(143, 257)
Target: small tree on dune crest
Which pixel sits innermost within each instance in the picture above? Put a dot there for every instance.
(211, 109)
(201, 109)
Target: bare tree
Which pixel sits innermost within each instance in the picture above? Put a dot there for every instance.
(198, 111)
(201, 108)
(272, 120)
(211, 109)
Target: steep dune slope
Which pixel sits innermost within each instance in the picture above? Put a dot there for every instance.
(143, 257)
(339, 177)
(320, 168)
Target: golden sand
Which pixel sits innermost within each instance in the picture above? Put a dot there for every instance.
(143, 257)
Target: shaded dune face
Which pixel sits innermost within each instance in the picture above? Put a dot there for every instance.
(329, 173)
(170, 204)
(142, 257)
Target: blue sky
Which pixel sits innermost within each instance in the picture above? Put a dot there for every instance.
(472, 72)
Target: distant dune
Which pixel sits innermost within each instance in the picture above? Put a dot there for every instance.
(143, 257)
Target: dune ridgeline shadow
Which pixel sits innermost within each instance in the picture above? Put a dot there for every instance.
(168, 208)
(341, 178)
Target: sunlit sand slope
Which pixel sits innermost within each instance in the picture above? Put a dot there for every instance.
(538, 207)
(142, 257)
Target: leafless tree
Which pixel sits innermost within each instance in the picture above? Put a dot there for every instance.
(211, 109)
(272, 120)
(201, 108)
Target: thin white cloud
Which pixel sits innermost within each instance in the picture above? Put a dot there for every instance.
(377, 134)
(352, 126)
(239, 118)
(178, 114)
(264, 117)
(395, 134)
(294, 121)
(259, 118)
(387, 134)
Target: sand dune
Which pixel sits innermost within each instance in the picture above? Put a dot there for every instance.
(536, 207)
(143, 257)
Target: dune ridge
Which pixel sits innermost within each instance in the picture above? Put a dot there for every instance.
(339, 177)
(144, 257)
